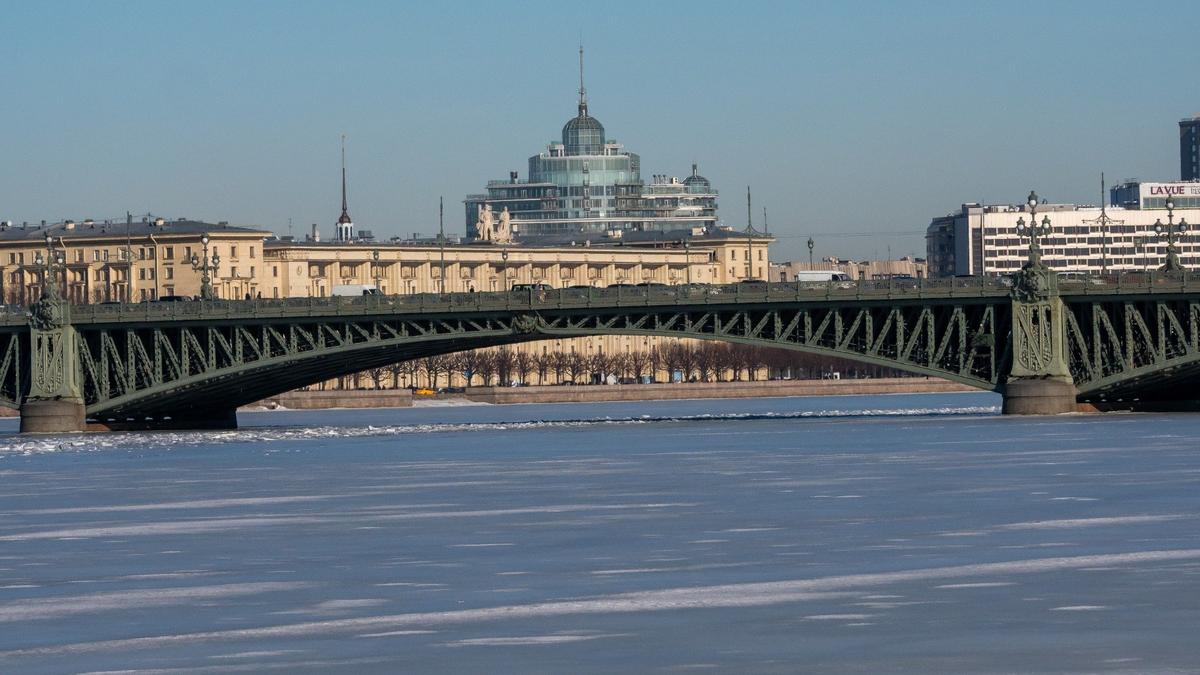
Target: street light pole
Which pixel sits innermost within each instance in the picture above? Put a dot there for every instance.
(441, 246)
(207, 266)
(1034, 230)
(504, 259)
(51, 263)
(375, 269)
(810, 253)
(1170, 229)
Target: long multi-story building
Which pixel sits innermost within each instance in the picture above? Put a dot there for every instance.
(588, 183)
(982, 239)
(130, 261)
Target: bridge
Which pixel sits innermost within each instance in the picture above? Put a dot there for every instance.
(1117, 342)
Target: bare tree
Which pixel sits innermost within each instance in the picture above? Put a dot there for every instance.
(395, 370)
(637, 362)
(376, 375)
(574, 365)
(503, 359)
(467, 365)
(599, 365)
(705, 359)
(559, 361)
(523, 365)
(543, 362)
(434, 367)
(486, 367)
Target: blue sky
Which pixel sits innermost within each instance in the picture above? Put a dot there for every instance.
(855, 123)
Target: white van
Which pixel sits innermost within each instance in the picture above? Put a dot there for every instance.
(821, 275)
(354, 290)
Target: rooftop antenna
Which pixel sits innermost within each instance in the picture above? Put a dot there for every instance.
(583, 111)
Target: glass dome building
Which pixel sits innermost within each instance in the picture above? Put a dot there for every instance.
(587, 182)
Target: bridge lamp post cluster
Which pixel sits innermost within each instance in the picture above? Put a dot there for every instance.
(51, 263)
(207, 266)
(1171, 229)
(1033, 229)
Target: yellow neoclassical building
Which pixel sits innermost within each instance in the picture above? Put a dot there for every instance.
(152, 258)
(314, 269)
(130, 261)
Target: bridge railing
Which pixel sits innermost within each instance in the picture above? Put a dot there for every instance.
(611, 296)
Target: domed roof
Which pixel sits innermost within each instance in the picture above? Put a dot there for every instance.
(583, 122)
(583, 134)
(696, 182)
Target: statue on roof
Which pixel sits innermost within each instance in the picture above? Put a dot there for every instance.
(484, 225)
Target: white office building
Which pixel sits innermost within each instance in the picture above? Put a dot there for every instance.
(982, 239)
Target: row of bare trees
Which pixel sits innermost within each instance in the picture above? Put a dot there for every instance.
(674, 361)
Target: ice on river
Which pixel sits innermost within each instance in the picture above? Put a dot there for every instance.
(900, 533)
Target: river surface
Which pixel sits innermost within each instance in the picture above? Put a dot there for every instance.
(913, 533)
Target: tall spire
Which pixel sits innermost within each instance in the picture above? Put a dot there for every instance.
(345, 217)
(583, 111)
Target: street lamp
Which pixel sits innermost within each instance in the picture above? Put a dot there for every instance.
(51, 262)
(810, 253)
(1170, 230)
(504, 259)
(1034, 230)
(207, 266)
(375, 268)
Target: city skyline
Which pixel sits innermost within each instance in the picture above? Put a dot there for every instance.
(845, 120)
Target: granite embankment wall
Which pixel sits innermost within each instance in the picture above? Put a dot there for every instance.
(403, 398)
(660, 392)
(312, 400)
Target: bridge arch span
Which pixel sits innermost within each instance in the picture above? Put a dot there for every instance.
(185, 373)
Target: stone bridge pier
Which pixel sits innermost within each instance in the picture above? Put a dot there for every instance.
(1039, 380)
(54, 403)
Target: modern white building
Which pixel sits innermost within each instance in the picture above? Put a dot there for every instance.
(981, 239)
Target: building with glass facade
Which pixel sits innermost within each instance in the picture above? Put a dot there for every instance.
(588, 183)
(1189, 149)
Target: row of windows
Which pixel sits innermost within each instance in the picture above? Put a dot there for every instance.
(140, 253)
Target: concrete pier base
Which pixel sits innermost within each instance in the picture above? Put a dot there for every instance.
(52, 416)
(1039, 396)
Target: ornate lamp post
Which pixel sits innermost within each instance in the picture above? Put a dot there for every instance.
(810, 253)
(1170, 230)
(504, 259)
(1034, 230)
(50, 264)
(207, 266)
(375, 268)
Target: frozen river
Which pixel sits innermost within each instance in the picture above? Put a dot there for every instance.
(882, 534)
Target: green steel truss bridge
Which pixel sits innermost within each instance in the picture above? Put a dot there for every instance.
(1117, 342)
